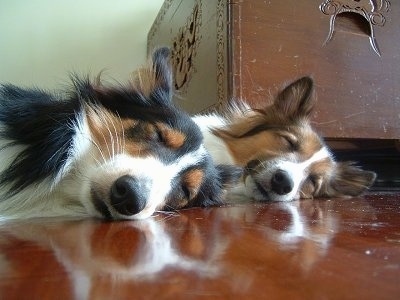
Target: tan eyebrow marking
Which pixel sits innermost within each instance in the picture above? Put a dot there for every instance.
(173, 138)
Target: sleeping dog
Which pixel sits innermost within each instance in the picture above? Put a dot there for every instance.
(120, 152)
(283, 157)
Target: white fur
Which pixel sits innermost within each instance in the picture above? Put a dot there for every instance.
(296, 170)
(46, 198)
(157, 251)
(247, 189)
(151, 172)
(68, 193)
(214, 144)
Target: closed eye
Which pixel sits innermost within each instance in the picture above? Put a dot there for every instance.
(251, 165)
(290, 141)
(316, 182)
(313, 179)
(310, 187)
(159, 135)
(186, 191)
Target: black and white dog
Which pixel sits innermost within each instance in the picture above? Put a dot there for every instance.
(119, 152)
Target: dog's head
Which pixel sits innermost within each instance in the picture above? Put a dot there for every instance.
(286, 158)
(145, 154)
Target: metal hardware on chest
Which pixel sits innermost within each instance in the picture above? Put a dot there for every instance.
(373, 11)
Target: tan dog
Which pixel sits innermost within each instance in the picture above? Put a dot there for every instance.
(284, 158)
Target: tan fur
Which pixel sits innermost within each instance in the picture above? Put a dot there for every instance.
(172, 138)
(257, 137)
(144, 80)
(147, 79)
(268, 143)
(108, 132)
(193, 179)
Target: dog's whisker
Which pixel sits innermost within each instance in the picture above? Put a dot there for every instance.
(100, 151)
(118, 135)
(167, 214)
(60, 152)
(109, 144)
(122, 140)
(106, 144)
(114, 143)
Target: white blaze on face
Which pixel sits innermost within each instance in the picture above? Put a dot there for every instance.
(155, 178)
(161, 178)
(295, 170)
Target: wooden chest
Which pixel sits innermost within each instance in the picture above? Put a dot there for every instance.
(248, 48)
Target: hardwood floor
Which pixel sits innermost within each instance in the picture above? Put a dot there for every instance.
(321, 249)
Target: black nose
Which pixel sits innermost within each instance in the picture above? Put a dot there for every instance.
(127, 196)
(281, 183)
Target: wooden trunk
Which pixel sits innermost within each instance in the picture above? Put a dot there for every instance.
(248, 48)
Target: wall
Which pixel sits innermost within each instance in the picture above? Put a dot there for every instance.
(43, 40)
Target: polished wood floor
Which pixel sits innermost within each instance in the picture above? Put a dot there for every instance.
(321, 249)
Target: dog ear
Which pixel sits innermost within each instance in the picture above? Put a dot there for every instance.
(296, 100)
(155, 79)
(229, 175)
(351, 180)
(162, 69)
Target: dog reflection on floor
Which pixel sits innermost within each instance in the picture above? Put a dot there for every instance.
(309, 228)
(98, 255)
(102, 259)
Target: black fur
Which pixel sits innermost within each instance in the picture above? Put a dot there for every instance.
(44, 124)
(41, 122)
(158, 107)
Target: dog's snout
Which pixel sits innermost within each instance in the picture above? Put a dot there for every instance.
(127, 196)
(281, 183)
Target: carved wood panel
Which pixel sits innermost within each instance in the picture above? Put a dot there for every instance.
(196, 31)
(184, 46)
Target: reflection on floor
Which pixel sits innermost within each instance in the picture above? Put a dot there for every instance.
(336, 249)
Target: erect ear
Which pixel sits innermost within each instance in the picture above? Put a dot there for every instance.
(155, 79)
(351, 180)
(296, 100)
(229, 175)
(162, 69)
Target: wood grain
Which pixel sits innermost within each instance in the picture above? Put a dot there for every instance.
(260, 45)
(321, 249)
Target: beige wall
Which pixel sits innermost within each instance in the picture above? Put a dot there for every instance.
(42, 40)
